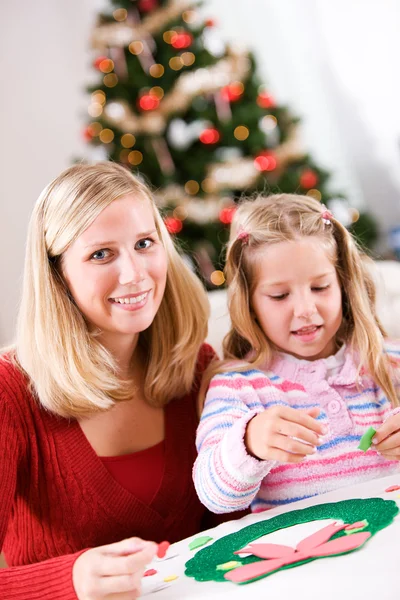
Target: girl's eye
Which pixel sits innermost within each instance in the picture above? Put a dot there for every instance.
(280, 297)
(100, 255)
(144, 244)
(320, 288)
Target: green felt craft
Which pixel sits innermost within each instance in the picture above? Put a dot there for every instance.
(366, 440)
(379, 514)
(199, 541)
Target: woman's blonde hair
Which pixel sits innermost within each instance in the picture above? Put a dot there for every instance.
(70, 371)
(287, 217)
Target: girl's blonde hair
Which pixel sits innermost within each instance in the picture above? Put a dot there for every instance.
(70, 371)
(287, 217)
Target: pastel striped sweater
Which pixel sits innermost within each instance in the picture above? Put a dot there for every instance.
(227, 478)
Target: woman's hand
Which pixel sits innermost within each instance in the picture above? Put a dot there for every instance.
(284, 434)
(112, 572)
(386, 441)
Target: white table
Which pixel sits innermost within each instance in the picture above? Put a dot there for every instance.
(370, 573)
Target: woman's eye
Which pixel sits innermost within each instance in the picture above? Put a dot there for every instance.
(144, 244)
(100, 255)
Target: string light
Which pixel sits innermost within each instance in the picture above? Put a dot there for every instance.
(106, 65)
(123, 155)
(226, 214)
(265, 161)
(268, 123)
(192, 187)
(135, 157)
(157, 91)
(95, 109)
(128, 140)
(208, 185)
(314, 194)
(233, 91)
(181, 39)
(189, 16)
(187, 58)
(308, 179)
(148, 102)
(180, 212)
(209, 136)
(106, 136)
(355, 215)
(241, 133)
(173, 225)
(217, 278)
(136, 48)
(264, 99)
(120, 14)
(110, 80)
(175, 63)
(156, 70)
(167, 36)
(99, 97)
(96, 127)
(97, 62)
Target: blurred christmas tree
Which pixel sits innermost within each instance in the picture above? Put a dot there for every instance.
(191, 116)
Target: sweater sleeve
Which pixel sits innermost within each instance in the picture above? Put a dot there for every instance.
(47, 580)
(226, 477)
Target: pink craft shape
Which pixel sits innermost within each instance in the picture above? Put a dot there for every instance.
(316, 545)
(393, 488)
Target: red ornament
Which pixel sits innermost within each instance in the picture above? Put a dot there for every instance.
(148, 102)
(98, 61)
(232, 92)
(209, 136)
(181, 40)
(210, 23)
(173, 225)
(147, 5)
(308, 179)
(226, 214)
(265, 100)
(265, 161)
(87, 134)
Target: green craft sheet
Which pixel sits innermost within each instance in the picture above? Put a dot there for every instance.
(366, 440)
(379, 514)
(199, 541)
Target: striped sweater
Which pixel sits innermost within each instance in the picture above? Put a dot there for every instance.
(227, 478)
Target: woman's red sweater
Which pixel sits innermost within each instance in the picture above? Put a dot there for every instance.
(57, 498)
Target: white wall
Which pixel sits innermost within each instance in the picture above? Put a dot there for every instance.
(334, 63)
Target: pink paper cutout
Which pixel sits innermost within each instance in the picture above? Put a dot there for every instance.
(393, 488)
(313, 546)
(357, 525)
(266, 550)
(149, 573)
(318, 538)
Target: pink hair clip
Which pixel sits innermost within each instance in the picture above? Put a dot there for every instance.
(326, 215)
(243, 236)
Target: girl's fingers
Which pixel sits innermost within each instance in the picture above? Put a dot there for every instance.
(298, 431)
(391, 425)
(301, 417)
(288, 444)
(389, 443)
(127, 546)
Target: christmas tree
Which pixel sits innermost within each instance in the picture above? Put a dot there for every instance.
(191, 116)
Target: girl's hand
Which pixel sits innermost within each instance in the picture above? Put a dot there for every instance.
(386, 441)
(112, 572)
(284, 434)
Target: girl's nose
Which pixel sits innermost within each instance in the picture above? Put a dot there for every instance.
(305, 308)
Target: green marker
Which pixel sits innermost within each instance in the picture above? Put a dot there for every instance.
(366, 439)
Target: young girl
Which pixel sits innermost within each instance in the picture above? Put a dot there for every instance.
(307, 369)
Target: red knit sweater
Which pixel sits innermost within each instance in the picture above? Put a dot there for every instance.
(57, 498)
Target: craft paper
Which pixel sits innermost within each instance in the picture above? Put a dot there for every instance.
(377, 512)
(366, 439)
(200, 541)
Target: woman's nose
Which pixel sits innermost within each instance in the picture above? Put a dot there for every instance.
(132, 270)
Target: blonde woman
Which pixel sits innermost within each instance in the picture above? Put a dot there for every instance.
(308, 367)
(98, 398)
